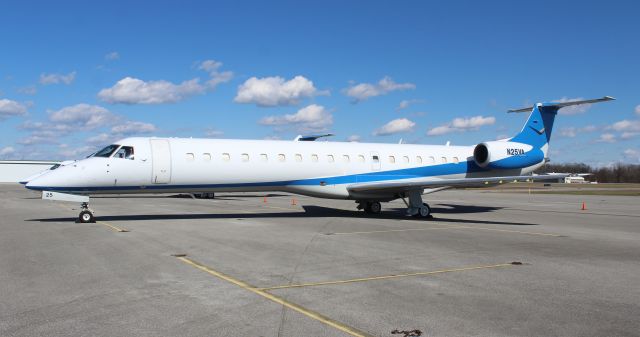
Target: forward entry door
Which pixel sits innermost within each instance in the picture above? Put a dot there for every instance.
(161, 156)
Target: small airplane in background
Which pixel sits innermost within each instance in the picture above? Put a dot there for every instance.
(369, 173)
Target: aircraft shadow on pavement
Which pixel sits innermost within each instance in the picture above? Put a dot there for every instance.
(308, 211)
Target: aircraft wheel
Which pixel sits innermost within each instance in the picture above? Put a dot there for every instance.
(425, 211)
(375, 207)
(86, 217)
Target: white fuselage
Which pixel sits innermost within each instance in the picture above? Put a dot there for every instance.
(315, 168)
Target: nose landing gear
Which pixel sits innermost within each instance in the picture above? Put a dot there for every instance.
(86, 215)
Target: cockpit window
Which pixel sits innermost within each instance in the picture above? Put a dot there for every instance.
(125, 152)
(107, 151)
(54, 167)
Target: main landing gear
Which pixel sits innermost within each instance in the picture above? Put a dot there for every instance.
(371, 207)
(416, 207)
(86, 215)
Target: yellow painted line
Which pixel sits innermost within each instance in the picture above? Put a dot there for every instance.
(115, 228)
(298, 308)
(448, 227)
(386, 277)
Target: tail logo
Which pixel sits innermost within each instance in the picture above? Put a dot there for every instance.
(541, 131)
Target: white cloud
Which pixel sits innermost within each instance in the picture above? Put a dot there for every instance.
(406, 103)
(7, 150)
(625, 125)
(83, 115)
(275, 91)
(213, 133)
(28, 90)
(395, 126)
(638, 110)
(132, 128)
(57, 78)
(37, 139)
(114, 55)
(462, 125)
(628, 135)
(75, 152)
(607, 138)
(573, 131)
(216, 77)
(354, 138)
(632, 154)
(312, 117)
(131, 90)
(362, 91)
(9, 108)
(100, 139)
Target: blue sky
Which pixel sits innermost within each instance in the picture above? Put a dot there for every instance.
(76, 75)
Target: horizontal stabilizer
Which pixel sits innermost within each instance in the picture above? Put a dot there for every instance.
(563, 104)
(311, 138)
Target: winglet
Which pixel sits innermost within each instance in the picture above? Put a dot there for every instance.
(564, 104)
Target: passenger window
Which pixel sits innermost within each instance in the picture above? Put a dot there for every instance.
(190, 156)
(314, 158)
(392, 159)
(444, 159)
(206, 156)
(456, 160)
(419, 160)
(330, 158)
(245, 157)
(226, 157)
(375, 159)
(264, 157)
(361, 158)
(405, 159)
(345, 158)
(298, 157)
(281, 157)
(125, 152)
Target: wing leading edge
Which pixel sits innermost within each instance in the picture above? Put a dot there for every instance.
(430, 183)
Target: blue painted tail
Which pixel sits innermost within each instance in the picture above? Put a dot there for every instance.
(537, 131)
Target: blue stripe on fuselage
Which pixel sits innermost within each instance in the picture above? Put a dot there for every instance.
(408, 173)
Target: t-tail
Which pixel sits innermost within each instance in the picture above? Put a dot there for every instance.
(528, 148)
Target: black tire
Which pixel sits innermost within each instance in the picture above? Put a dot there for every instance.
(425, 211)
(86, 217)
(375, 207)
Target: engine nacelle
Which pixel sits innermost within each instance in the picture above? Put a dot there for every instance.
(506, 155)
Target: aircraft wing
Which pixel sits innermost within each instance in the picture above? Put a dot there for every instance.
(430, 183)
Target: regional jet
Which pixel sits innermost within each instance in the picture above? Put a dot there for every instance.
(369, 173)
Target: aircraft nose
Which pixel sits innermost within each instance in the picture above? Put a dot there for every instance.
(33, 185)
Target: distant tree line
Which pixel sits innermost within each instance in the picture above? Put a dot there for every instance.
(617, 173)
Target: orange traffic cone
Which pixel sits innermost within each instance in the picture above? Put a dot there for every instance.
(293, 201)
(264, 199)
(584, 206)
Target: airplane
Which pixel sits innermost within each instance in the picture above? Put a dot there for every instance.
(369, 173)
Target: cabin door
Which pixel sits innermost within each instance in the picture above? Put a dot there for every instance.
(161, 161)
